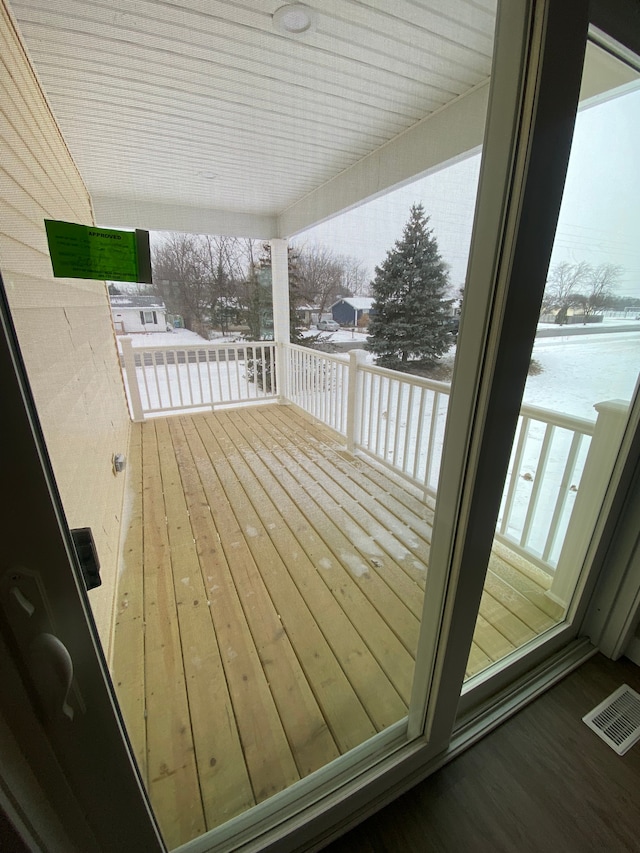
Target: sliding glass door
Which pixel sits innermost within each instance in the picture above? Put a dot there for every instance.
(524, 494)
(567, 357)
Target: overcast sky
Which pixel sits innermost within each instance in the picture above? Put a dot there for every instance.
(599, 220)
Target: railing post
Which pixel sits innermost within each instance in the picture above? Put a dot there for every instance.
(131, 373)
(354, 415)
(609, 427)
(280, 296)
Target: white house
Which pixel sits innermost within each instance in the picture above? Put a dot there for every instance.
(138, 314)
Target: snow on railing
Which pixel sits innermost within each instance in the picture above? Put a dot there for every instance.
(163, 379)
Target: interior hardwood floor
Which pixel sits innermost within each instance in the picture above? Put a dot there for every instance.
(269, 604)
(541, 782)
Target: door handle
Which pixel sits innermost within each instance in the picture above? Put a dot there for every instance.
(48, 664)
(51, 670)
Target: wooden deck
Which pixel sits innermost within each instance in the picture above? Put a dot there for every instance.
(269, 606)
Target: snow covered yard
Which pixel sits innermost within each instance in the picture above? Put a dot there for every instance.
(579, 371)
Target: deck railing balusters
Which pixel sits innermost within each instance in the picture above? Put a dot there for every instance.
(563, 494)
(167, 375)
(431, 443)
(515, 473)
(407, 432)
(418, 444)
(541, 470)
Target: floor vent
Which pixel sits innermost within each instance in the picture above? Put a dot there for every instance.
(617, 719)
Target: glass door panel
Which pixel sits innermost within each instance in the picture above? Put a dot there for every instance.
(261, 595)
(582, 377)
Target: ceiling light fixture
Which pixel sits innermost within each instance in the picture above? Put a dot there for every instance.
(208, 176)
(295, 19)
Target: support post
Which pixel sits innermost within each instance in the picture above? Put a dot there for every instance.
(598, 466)
(357, 357)
(137, 413)
(280, 296)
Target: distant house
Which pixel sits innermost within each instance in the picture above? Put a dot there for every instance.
(351, 309)
(308, 315)
(138, 314)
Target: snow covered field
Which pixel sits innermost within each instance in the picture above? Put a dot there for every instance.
(579, 371)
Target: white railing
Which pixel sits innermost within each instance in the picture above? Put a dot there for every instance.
(318, 382)
(547, 460)
(400, 421)
(162, 379)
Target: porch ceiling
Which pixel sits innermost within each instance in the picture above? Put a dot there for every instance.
(152, 96)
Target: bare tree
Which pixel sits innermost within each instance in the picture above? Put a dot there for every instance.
(580, 286)
(319, 275)
(214, 280)
(356, 280)
(563, 285)
(226, 272)
(180, 277)
(600, 285)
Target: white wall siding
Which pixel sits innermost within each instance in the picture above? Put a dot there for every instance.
(64, 326)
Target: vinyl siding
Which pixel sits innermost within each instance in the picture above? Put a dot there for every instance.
(64, 326)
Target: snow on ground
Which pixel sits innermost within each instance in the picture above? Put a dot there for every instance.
(579, 371)
(341, 336)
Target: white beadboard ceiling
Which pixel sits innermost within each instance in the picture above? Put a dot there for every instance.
(153, 96)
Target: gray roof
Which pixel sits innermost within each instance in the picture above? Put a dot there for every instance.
(362, 303)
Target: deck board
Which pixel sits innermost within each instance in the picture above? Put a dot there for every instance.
(380, 569)
(268, 607)
(387, 531)
(172, 779)
(222, 554)
(218, 750)
(311, 616)
(348, 576)
(311, 743)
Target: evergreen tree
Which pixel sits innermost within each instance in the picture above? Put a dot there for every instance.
(410, 323)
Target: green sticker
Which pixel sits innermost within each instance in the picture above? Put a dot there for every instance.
(85, 251)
